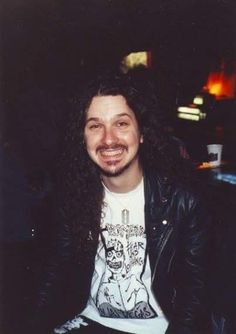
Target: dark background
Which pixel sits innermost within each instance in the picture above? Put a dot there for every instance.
(48, 49)
(50, 42)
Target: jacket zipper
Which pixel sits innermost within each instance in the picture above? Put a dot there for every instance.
(159, 255)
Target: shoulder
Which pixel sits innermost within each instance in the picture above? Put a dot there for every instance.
(188, 194)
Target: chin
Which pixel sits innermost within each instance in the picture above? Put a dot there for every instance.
(114, 172)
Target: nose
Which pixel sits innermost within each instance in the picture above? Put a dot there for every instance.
(109, 136)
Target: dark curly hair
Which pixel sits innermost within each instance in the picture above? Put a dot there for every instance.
(79, 178)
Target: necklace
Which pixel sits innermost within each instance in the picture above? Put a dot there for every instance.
(125, 212)
(125, 216)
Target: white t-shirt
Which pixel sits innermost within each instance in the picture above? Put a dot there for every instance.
(121, 295)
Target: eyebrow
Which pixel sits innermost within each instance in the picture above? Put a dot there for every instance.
(97, 119)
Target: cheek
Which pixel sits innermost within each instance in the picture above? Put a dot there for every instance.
(129, 137)
(91, 148)
(90, 142)
(134, 139)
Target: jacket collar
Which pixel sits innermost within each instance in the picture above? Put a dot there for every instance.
(156, 188)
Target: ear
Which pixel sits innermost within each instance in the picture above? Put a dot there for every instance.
(141, 139)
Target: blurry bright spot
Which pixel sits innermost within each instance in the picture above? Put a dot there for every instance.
(226, 177)
(188, 110)
(189, 117)
(221, 84)
(135, 59)
(198, 100)
(190, 113)
(216, 89)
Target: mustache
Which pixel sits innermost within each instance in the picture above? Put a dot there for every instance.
(111, 147)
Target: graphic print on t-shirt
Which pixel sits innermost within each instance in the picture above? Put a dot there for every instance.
(121, 293)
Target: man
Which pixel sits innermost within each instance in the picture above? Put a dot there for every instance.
(131, 236)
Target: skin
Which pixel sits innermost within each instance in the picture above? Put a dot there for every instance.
(112, 139)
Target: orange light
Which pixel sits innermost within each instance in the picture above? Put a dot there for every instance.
(221, 85)
(216, 88)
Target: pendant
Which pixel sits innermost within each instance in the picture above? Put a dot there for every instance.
(125, 216)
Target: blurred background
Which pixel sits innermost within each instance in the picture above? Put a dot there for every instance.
(48, 49)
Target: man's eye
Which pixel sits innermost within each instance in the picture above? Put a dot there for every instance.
(94, 126)
(122, 124)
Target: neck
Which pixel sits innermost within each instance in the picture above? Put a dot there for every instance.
(125, 182)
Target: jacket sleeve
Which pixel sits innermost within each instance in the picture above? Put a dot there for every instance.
(191, 308)
(50, 295)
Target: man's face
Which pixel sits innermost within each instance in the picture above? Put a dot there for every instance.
(112, 135)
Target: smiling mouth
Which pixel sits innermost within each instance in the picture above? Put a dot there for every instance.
(113, 152)
(110, 153)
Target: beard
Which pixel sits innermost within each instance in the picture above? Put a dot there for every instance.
(116, 172)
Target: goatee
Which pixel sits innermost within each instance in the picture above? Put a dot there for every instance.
(117, 172)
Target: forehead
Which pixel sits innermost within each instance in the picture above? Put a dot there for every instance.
(109, 105)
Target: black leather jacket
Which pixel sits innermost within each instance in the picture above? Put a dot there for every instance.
(176, 227)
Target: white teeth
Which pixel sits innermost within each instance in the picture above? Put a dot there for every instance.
(110, 153)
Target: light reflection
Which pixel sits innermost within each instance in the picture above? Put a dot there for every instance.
(189, 117)
(135, 59)
(189, 110)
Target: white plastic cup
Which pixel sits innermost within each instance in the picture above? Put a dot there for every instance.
(214, 154)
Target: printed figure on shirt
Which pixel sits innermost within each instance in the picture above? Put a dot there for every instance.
(122, 294)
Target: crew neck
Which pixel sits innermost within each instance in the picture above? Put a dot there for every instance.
(136, 189)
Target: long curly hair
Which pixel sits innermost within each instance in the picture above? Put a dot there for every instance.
(79, 178)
